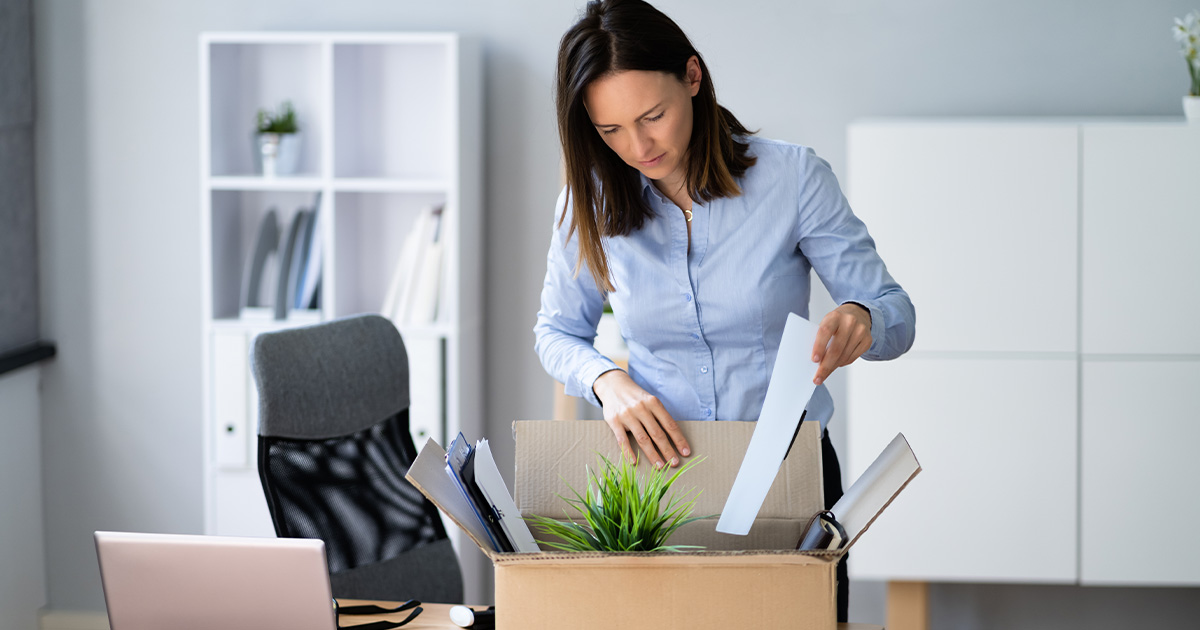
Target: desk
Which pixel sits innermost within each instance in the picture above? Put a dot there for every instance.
(437, 616)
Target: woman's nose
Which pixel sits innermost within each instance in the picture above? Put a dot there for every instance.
(640, 143)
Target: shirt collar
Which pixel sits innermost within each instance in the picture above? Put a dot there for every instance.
(648, 189)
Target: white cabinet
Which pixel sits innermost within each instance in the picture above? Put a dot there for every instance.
(236, 505)
(1141, 263)
(978, 222)
(390, 125)
(1141, 476)
(996, 442)
(1049, 263)
(1141, 353)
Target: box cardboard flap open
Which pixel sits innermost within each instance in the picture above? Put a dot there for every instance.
(552, 455)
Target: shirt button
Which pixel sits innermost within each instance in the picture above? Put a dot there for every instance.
(687, 296)
(695, 336)
(704, 370)
(707, 412)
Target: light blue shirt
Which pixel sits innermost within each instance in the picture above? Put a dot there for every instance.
(703, 328)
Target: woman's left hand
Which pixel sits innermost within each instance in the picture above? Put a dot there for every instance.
(843, 336)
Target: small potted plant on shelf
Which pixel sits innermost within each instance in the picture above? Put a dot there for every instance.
(1187, 33)
(278, 140)
(623, 511)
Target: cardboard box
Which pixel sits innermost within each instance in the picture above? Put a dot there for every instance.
(739, 581)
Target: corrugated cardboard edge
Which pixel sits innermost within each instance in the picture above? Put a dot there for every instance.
(846, 549)
(642, 558)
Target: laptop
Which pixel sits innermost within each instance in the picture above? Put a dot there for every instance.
(160, 581)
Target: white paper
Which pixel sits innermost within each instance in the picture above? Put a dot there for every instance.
(788, 393)
(491, 484)
(894, 467)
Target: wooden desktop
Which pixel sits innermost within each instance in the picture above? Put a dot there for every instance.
(437, 616)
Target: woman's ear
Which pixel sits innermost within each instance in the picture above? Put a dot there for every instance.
(693, 74)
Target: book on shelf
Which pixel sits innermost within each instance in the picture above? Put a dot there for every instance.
(291, 281)
(260, 261)
(283, 270)
(415, 288)
(310, 277)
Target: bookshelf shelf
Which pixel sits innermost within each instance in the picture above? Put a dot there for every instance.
(385, 184)
(314, 183)
(390, 126)
(257, 182)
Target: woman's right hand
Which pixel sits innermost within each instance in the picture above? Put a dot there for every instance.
(629, 409)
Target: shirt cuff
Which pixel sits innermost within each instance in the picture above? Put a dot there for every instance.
(878, 326)
(585, 377)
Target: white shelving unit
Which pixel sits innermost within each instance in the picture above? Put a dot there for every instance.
(390, 124)
(1046, 402)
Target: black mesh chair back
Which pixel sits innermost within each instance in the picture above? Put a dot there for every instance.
(333, 448)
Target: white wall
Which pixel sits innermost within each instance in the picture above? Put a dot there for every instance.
(118, 184)
(22, 563)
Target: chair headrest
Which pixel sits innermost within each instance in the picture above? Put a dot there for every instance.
(329, 379)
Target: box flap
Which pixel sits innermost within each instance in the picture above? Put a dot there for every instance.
(552, 454)
(870, 495)
(428, 474)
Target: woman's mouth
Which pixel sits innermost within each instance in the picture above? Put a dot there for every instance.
(652, 163)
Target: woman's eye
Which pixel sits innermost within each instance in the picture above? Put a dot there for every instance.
(656, 118)
(608, 132)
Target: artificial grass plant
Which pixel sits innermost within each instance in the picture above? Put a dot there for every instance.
(622, 512)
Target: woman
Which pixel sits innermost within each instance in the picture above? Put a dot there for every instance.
(701, 237)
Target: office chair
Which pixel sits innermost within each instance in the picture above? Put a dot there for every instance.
(333, 448)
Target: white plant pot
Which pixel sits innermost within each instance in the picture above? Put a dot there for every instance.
(1191, 108)
(277, 153)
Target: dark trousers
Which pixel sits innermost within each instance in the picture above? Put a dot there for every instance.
(831, 473)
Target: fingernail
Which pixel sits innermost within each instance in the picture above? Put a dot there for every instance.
(816, 359)
(817, 381)
(658, 464)
(686, 452)
(674, 461)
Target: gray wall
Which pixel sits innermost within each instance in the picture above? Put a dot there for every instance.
(118, 192)
(18, 234)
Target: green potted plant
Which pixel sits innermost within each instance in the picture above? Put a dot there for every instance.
(622, 511)
(1187, 33)
(278, 140)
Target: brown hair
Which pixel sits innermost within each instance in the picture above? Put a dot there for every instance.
(614, 36)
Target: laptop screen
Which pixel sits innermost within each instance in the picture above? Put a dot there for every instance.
(157, 581)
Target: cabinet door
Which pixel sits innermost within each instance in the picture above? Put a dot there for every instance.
(1141, 215)
(996, 498)
(231, 425)
(1141, 475)
(977, 222)
(241, 508)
